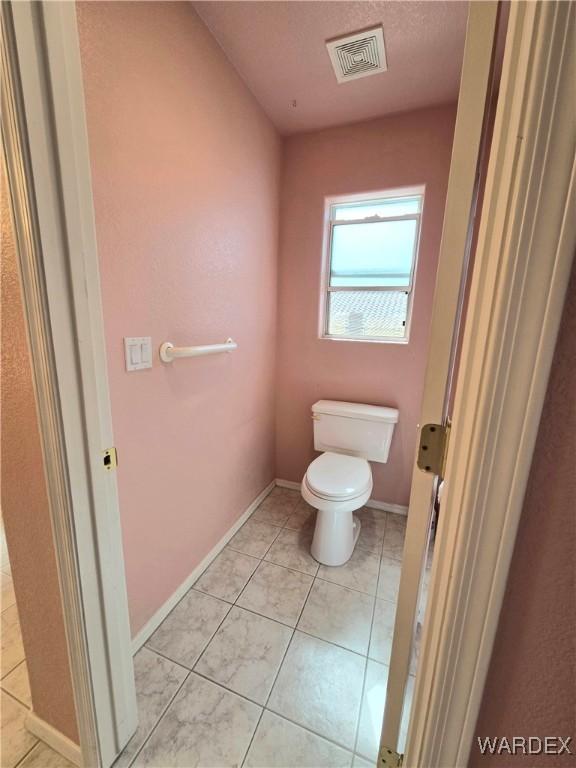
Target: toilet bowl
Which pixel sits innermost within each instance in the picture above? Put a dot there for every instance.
(336, 485)
(339, 481)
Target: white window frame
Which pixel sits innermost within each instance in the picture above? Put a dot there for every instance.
(327, 289)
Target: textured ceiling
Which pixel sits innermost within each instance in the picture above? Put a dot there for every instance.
(279, 50)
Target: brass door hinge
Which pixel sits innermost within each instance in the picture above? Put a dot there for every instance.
(433, 448)
(388, 758)
(110, 458)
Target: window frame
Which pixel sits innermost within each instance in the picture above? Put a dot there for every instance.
(326, 289)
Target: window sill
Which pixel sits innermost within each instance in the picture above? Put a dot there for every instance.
(391, 340)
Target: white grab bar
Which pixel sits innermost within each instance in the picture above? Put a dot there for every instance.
(168, 352)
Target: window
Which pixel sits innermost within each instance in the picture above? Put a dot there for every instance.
(372, 249)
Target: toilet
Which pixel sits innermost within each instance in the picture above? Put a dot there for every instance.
(339, 481)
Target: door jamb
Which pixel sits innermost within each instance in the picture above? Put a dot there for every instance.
(46, 151)
(522, 266)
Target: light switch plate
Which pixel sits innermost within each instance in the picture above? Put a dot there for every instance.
(138, 352)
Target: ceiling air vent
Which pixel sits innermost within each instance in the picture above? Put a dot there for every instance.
(358, 55)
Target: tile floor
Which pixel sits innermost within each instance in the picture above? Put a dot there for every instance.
(18, 747)
(272, 660)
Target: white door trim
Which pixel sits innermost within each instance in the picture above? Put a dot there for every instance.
(44, 135)
(526, 244)
(473, 101)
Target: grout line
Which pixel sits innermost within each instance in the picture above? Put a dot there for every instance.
(157, 723)
(262, 710)
(262, 615)
(207, 594)
(227, 690)
(9, 672)
(28, 753)
(309, 730)
(190, 671)
(360, 710)
(331, 642)
(204, 647)
(167, 658)
(352, 589)
(264, 707)
(289, 643)
(14, 698)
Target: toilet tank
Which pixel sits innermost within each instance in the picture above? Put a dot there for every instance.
(354, 428)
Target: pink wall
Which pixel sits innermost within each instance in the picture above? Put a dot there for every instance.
(401, 150)
(25, 510)
(531, 684)
(186, 178)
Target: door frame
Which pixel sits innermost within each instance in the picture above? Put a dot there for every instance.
(503, 372)
(461, 196)
(526, 245)
(45, 148)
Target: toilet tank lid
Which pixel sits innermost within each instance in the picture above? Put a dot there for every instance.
(356, 411)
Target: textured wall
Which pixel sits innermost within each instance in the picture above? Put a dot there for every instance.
(185, 172)
(402, 150)
(25, 508)
(531, 685)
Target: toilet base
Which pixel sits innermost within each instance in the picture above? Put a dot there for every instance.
(335, 537)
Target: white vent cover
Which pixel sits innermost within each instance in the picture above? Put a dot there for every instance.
(358, 55)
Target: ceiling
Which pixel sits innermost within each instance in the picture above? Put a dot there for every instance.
(279, 50)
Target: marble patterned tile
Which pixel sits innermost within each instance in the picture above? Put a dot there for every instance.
(359, 762)
(17, 684)
(360, 572)
(42, 756)
(373, 526)
(389, 579)
(206, 726)
(277, 507)
(393, 544)
(292, 550)
(304, 516)
(372, 712)
(245, 654)
(276, 592)
(7, 586)
(319, 686)
(279, 743)
(16, 740)
(157, 680)
(227, 575)
(11, 641)
(339, 615)
(187, 630)
(382, 631)
(254, 538)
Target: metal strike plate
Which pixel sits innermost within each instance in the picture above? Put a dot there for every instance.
(432, 448)
(388, 758)
(110, 458)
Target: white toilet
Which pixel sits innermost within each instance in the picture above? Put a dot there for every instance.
(340, 480)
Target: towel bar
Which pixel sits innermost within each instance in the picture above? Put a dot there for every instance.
(168, 352)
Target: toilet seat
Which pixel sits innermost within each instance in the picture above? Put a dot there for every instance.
(338, 477)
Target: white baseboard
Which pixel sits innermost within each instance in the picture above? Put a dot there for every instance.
(397, 509)
(288, 484)
(385, 506)
(55, 739)
(154, 622)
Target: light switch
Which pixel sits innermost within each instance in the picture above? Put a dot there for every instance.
(146, 352)
(138, 352)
